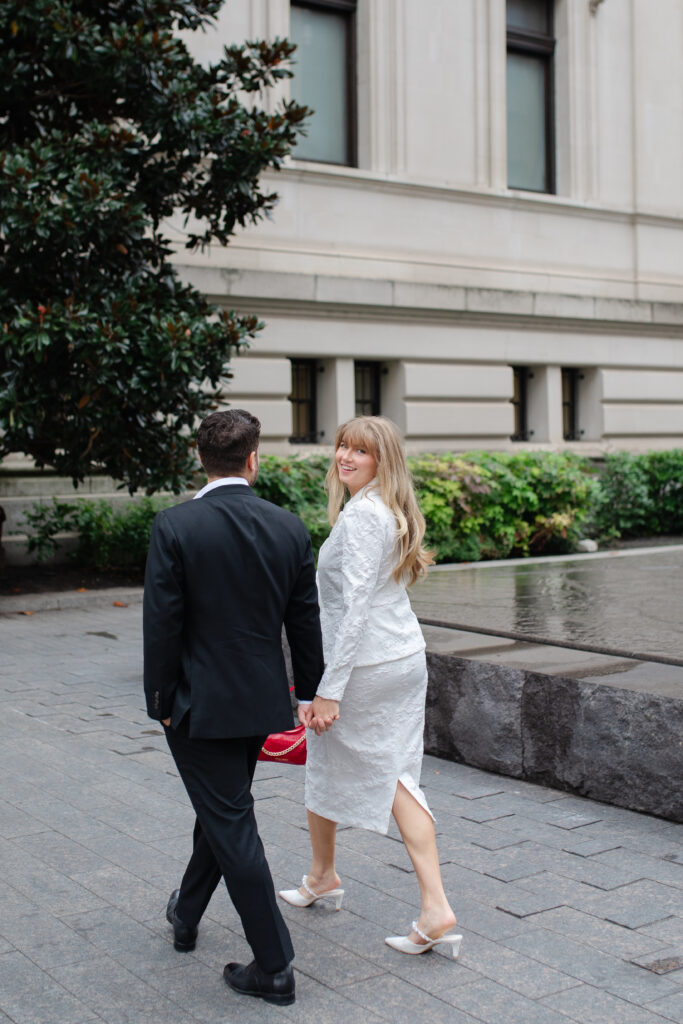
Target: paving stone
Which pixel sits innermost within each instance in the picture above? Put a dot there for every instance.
(493, 1003)
(560, 888)
(589, 1005)
(655, 868)
(667, 960)
(671, 1007)
(116, 994)
(44, 939)
(670, 930)
(389, 996)
(94, 841)
(640, 903)
(15, 822)
(525, 904)
(489, 923)
(594, 931)
(328, 962)
(29, 995)
(589, 965)
(500, 962)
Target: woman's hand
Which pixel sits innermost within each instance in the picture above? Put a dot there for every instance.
(323, 713)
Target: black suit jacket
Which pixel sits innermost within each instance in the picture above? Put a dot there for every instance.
(224, 573)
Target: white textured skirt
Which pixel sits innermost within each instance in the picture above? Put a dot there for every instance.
(352, 769)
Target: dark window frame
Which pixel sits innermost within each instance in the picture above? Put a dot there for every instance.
(542, 46)
(374, 400)
(571, 377)
(308, 402)
(520, 403)
(349, 9)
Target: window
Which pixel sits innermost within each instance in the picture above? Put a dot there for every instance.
(570, 403)
(530, 87)
(324, 77)
(520, 402)
(303, 399)
(367, 388)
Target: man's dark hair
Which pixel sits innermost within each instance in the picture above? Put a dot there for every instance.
(225, 441)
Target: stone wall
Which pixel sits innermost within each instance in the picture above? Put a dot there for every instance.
(620, 745)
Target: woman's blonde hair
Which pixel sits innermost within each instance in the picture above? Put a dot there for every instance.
(380, 437)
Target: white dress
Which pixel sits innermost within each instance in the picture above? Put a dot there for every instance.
(375, 667)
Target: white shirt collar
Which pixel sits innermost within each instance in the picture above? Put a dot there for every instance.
(220, 483)
(371, 485)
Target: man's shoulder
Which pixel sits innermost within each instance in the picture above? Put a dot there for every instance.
(250, 504)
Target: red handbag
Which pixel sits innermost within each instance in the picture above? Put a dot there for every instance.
(285, 747)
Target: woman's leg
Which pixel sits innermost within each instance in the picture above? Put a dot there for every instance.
(417, 831)
(323, 834)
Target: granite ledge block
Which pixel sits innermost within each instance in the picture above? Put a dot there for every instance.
(620, 746)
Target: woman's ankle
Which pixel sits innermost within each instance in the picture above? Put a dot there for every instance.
(440, 917)
(323, 880)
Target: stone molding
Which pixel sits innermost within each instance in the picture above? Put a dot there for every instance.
(297, 294)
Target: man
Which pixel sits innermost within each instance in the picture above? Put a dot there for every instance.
(224, 573)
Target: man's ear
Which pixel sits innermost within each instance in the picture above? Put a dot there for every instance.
(252, 462)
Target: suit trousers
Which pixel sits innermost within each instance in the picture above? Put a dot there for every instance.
(217, 774)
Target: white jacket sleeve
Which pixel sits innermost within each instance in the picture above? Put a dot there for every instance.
(363, 545)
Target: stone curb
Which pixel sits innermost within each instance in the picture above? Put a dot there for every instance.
(22, 604)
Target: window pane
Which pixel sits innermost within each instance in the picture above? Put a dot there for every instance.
(367, 388)
(303, 401)
(528, 14)
(526, 122)
(320, 82)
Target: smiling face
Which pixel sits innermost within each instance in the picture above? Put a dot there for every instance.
(355, 465)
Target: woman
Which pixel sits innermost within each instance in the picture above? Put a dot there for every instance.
(367, 766)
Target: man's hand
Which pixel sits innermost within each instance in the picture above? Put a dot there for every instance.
(166, 721)
(304, 714)
(323, 713)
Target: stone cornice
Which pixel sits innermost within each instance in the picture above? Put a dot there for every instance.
(303, 172)
(274, 293)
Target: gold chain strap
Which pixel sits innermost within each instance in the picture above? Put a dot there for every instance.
(281, 753)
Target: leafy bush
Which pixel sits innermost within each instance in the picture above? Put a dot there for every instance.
(623, 506)
(298, 484)
(640, 495)
(108, 537)
(664, 471)
(492, 504)
(477, 506)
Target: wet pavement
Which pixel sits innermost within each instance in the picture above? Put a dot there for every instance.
(623, 603)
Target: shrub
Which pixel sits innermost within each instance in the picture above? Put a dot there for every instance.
(492, 505)
(108, 537)
(664, 473)
(623, 506)
(297, 484)
(477, 506)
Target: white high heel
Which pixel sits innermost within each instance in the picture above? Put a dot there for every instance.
(403, 944)
(294, 897)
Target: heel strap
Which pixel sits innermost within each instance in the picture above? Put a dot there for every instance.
(421, 934)
(307, 887)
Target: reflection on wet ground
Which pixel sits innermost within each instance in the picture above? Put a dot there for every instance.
(627, 603)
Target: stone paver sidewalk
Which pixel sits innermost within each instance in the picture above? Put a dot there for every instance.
(570, 910)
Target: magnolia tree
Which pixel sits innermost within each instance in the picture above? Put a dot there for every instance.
(108, 127)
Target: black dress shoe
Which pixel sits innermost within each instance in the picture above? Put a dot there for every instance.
(184, 936)
(250, 980)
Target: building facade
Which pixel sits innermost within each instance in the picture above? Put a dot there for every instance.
(481, 236)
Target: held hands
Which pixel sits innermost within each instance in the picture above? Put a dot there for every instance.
(319, 715)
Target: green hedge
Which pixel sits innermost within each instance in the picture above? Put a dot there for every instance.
(640, 495)
(478, 506)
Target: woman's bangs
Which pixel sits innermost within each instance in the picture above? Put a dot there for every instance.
(358, 437)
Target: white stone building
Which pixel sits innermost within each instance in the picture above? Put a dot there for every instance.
(481, 237)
